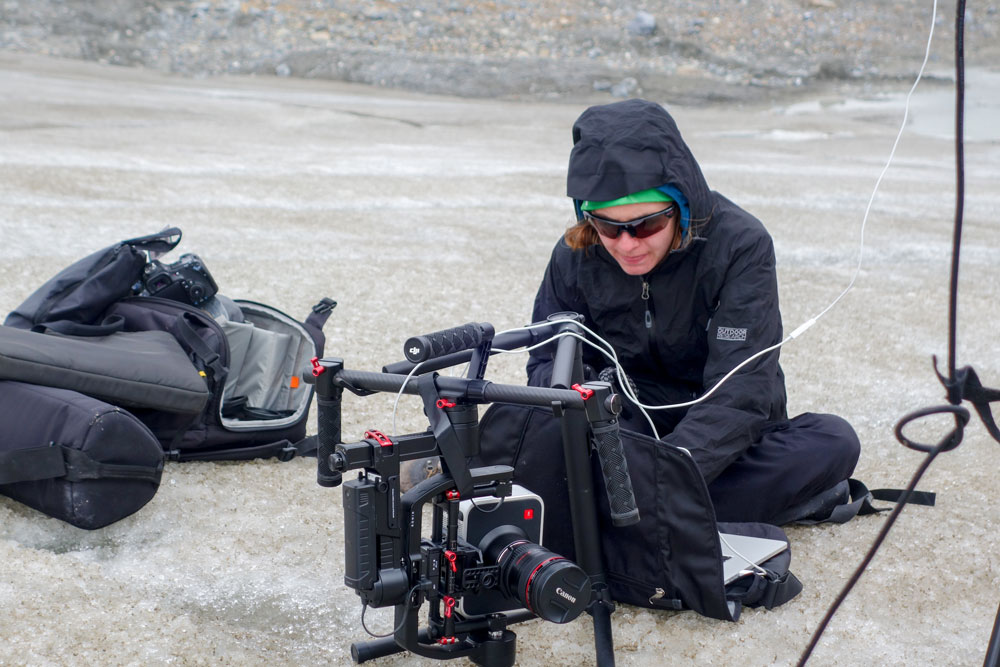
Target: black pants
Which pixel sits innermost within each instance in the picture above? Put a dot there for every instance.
(792, 463)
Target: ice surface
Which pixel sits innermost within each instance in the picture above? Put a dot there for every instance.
(420, 213)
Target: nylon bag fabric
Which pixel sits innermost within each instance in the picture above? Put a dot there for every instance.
(147, 369)
(670, 559)
(74, 299)
(74, 457)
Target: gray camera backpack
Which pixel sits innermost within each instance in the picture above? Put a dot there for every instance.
(114, 324)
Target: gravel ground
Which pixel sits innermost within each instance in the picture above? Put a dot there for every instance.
(687, 51)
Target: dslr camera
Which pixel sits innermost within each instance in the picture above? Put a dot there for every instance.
(185, 280)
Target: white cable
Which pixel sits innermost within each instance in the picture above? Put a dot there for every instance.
(757, 569)
(609, 352)
(395, 404)
(878, 182)
(802, 328)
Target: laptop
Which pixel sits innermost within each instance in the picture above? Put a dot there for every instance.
(741, 552)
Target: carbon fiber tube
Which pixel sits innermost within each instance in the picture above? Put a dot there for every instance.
(456, 386)
(439, 343)
(608, 443)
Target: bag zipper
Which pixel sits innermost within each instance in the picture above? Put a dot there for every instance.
(658, 599)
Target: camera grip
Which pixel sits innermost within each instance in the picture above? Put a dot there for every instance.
(439, 343)
(608, 443)
(328, 423)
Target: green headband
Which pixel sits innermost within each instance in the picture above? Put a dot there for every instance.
(652, 194)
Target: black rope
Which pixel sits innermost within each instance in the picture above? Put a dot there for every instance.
(959, 184)
(954, 390)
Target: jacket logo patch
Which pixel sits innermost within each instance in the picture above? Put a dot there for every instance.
(731, 333)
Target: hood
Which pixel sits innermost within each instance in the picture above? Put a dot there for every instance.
(634, 145)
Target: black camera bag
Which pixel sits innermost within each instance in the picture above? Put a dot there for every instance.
(670, 559)
(74, 457)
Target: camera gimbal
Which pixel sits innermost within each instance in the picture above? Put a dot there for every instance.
(389, 563)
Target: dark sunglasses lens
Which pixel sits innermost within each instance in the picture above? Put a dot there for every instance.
(650, 226)
(646, 227)
(605, 228)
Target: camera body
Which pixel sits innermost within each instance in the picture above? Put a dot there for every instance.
(522, 509)
(185, 280)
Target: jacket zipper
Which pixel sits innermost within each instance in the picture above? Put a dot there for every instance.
(645, 298)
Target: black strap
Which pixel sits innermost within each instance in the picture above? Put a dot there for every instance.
(59, 461)
(316, 319)
(238, 408)
(182, 330)
(283, 450)
(111, 324)
(861, 502)
(780, 589)
(29, 465)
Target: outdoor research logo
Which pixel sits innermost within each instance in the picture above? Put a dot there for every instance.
(731, 333)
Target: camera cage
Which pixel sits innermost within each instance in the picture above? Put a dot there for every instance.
(387, 560)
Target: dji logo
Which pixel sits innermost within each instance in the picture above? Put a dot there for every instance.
(414, 351)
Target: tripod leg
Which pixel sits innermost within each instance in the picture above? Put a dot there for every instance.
(604, 645)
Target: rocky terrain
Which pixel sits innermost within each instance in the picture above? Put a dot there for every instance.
(688, 50)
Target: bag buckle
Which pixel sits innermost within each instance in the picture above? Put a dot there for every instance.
(325, 305)
(287, 453)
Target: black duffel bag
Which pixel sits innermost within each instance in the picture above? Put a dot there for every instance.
(74, 457)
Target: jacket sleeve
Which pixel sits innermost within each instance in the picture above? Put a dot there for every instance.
(554, 295)
(719, 429)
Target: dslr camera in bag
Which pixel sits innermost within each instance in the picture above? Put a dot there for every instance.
(185, 280)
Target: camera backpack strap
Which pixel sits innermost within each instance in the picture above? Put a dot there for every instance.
(283, 450)
(110, 325)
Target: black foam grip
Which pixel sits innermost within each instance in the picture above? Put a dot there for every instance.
(328, 423)
(608, 443)
(439, 343)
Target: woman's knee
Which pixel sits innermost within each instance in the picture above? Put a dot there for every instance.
(839, 438)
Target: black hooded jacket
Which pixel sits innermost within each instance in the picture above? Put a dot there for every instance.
(710, 305)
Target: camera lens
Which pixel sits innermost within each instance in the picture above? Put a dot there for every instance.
(547, 584)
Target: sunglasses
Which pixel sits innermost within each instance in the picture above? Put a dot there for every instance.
(639, 228)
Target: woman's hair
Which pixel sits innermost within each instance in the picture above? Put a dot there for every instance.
(581, 236)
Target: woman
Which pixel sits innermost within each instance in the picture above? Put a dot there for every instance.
(681, 282)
